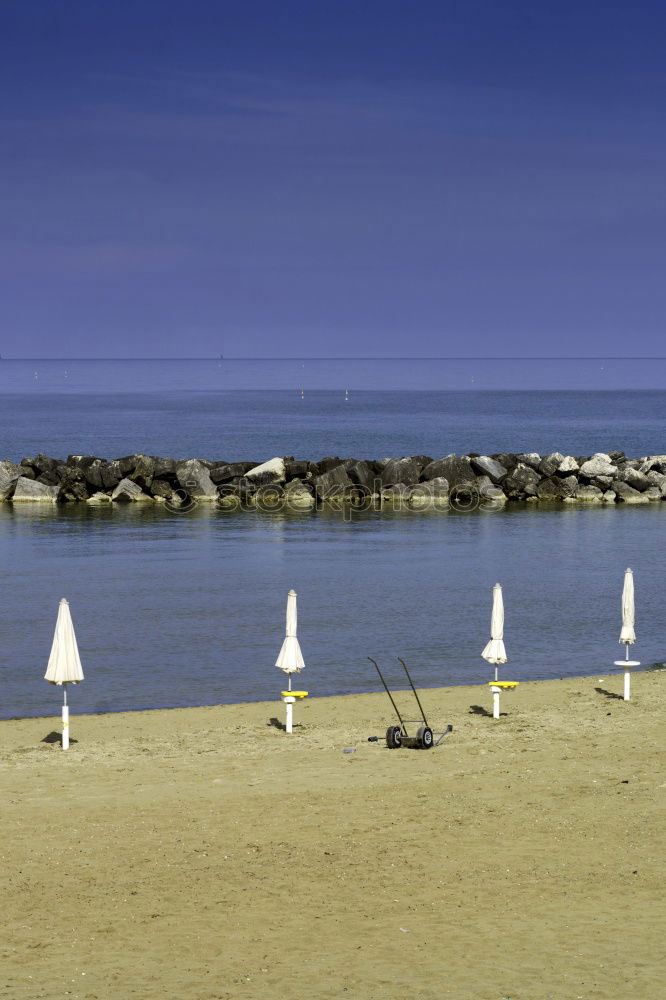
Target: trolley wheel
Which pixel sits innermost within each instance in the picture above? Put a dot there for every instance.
(424, 736)
(394, 737)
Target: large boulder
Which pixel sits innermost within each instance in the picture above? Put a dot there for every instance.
(490, 467)
(521, 482)
(225, 472)
(434, 493)
(333, 484)
(29, 491)
(403, 470)
(163, 468)
(656, 462)
(194, 478)
(296, 469)
(549, 465)
(627, 494)
(628, 474)
(299, 494)
(586, 494)
(73, 483)
(531, 458)
(567, 466)
(457, 471)
(505, 458)
(267, 473)
(325, 465)
(143, 472)
(129, 492)
(599, 465)
(111, 475)
(554, 488)
(9, 474)
(362, 474)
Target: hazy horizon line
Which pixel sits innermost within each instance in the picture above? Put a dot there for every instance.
(354, 357)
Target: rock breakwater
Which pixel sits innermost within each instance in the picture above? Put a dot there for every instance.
(464, 482)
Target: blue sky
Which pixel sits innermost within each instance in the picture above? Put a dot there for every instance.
(332, 178)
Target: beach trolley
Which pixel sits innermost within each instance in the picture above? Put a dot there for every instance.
(398, 736)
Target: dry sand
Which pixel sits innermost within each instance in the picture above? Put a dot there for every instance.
(203, 853)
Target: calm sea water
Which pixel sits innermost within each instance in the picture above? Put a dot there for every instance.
(180, 609)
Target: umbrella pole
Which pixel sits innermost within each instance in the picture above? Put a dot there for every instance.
(627, 675)
(496, 703)
(65, 719)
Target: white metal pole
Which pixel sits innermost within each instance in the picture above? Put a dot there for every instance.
(627, 685)
(65, 719)
(290, 709)
(496, 704)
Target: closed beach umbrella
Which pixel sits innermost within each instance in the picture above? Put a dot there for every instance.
(290, 659)
(64, 666)
(628, 635)
(494, 651)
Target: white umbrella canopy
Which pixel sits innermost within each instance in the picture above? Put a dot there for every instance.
(64, 666)
(627, 635)
(494, 651)
(290, 658)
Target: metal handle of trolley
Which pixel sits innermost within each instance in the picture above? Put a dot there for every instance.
(398, 736)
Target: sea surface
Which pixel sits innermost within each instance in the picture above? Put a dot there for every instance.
(175, 609)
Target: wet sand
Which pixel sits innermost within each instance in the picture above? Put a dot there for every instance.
(204, 854)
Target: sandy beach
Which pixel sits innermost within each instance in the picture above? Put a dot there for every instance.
(205, 854)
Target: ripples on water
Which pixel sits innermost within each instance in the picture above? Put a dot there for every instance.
(189, 608)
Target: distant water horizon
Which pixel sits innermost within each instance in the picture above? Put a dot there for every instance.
(182, 609)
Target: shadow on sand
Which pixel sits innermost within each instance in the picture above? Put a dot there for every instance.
(480, 710)
(609, 694)
(54, 737)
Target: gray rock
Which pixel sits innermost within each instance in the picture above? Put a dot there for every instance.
(333, 484)
(111, 475)
(653, 493)
(609, 496)
(550, 464)
(143, 472)
(398, 492)
(599, 465)
(434, 493)
(567, 466)
(489, 467)
(27, 471)
(587, 494)
(224, 472)
(656, 462)
(522, 481)
(530, 458)
(362, 474)
(603, 482)
(655, 478)
(92, 473)
(325, 465)
(163, 468)
(402, 470)
(628, 474)
(29, 491)
(267, 473)
(128, 492)
(456, 470)
(73, 483)
(296, 470)
(627, 494)
(555, 488)
(195, 479)
(298, 495)
(98, 499)
(9, 473)
(161, 489)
